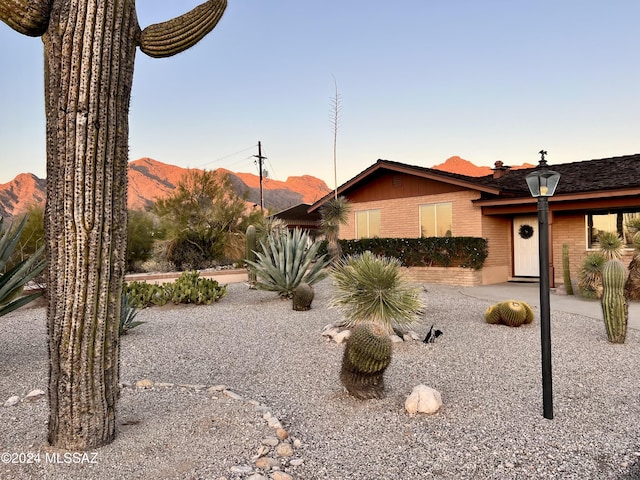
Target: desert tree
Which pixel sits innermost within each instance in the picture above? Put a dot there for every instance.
(89, 52)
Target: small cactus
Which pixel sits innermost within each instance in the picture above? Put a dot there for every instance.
(302, 297)
(615, 308)
(250, 254)
(366, 357)
(512, 313)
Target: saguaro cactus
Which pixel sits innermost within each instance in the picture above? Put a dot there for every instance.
(89, 51)
(615, 308)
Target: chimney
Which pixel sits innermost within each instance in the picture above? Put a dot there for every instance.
(500, 169)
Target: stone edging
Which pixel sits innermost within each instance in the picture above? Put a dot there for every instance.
(275, 453)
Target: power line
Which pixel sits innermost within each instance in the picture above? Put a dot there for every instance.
(226, 156)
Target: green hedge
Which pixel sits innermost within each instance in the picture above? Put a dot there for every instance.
(465, 252)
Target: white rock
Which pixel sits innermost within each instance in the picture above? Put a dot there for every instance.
(414, 335)
(423, 399)
(241, 469)
(273, 422)
(231, 394)
(216, 388)
(270, 441)
(11, 401)
(33, 395)
(342, 336)
(296, 462)
(395, 339)
(332, 332)
(257, 476)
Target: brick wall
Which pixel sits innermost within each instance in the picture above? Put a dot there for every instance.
(445, 275)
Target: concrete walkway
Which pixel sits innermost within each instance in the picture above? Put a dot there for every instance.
(530, 293)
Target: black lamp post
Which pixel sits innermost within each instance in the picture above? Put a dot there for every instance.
(542, 184)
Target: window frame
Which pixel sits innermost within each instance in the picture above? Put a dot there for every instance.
(368, 218)
(435, 207)
(588, 225)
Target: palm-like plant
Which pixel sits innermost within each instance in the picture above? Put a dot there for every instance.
(590, 281)
(610, 245)
(13, 279)
(334, 212)
(632, 284)
(286, 260)
(370, 288)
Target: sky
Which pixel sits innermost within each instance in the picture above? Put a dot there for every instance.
(418, 81)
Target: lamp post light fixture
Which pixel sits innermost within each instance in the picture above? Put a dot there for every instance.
(542, 185)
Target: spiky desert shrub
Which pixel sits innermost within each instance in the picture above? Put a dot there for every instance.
(369, 288)
(590, 277)
(14, 278)
(128, 313)
(286, 260)
(611, 245)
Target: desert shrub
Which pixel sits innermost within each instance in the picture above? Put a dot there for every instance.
(141, 234)
(370, 288)
(189, 287)
(286, 260)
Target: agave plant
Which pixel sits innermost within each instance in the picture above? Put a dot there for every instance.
(127, 314)
(286, 260)
(13, 279)
(371, 288)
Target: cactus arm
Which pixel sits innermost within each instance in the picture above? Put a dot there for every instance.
(178, 34)
(29, 17)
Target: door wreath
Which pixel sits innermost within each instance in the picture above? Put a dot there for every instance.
(525, 231)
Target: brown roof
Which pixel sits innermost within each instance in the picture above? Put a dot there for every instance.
(589, 176)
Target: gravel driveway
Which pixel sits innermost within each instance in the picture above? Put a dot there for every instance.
(274, 360)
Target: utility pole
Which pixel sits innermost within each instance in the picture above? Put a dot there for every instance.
(260, 158)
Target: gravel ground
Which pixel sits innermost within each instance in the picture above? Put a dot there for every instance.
(490, 426)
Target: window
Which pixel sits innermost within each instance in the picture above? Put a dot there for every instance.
(367, 224)
(436, 220)
(624, 222)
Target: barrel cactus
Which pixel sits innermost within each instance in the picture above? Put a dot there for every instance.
(302, 297)
(512, 313)
(615, 308)
(250, 254)
(366, 357)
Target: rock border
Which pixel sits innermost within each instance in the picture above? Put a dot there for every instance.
(275, 454)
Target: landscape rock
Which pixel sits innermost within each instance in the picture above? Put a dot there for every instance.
(11, 401)
(342, 336)
(267, 463)
(423, 399)
(284, 450)
(145, 383)
(281, 476)
(34, 395)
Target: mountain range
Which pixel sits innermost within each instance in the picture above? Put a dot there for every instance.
(150, 179)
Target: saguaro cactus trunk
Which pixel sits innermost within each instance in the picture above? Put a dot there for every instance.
(89, 52)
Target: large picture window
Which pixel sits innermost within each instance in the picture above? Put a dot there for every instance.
(436, 220)
(624, 222)
(367, 224)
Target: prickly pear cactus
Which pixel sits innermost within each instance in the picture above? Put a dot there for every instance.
(512, 313)
(250, 254)
(366, 357)
(615, 308)
(302, 297)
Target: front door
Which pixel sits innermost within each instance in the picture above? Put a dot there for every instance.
(525, 247)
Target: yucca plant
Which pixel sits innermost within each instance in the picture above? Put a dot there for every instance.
(590, 281)
(611, 245)
(286, 260)
(13, 279)
(370, 288)
(334, 212)
(632, 284)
